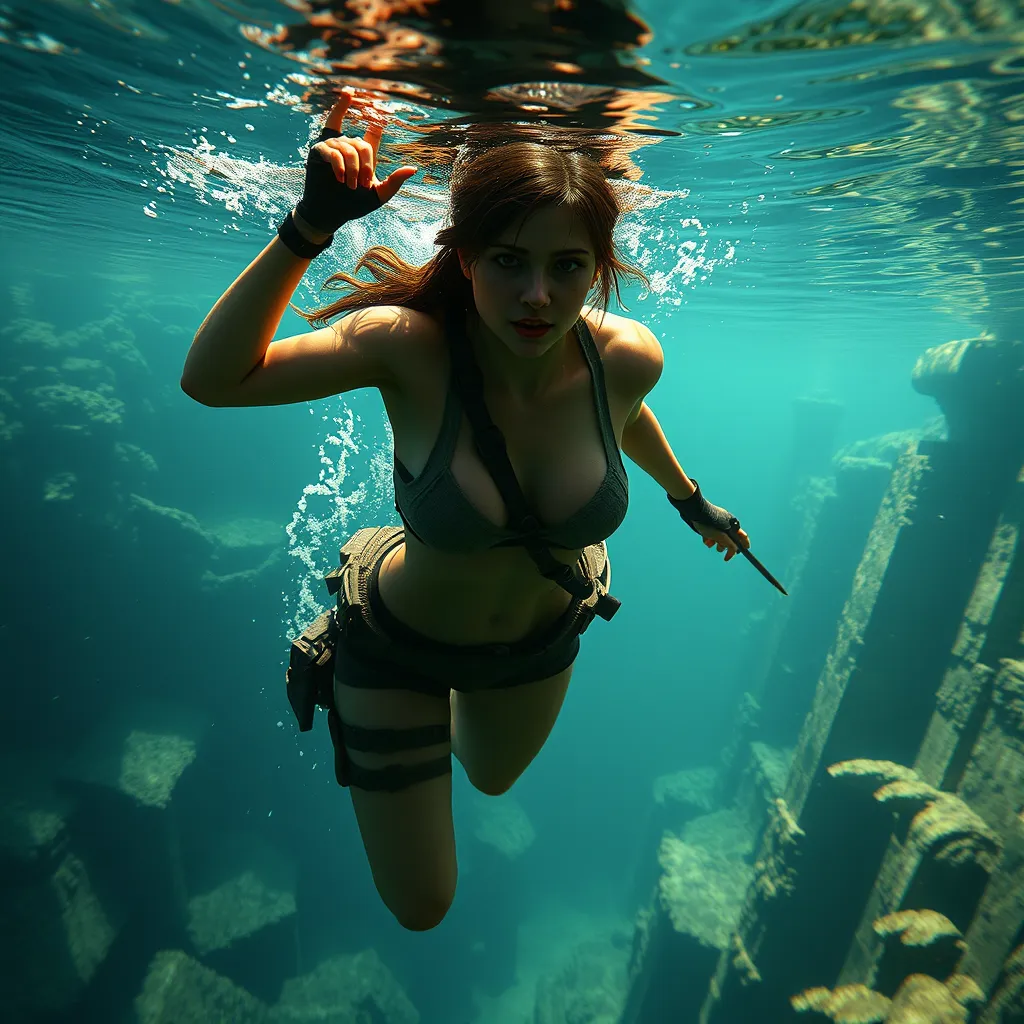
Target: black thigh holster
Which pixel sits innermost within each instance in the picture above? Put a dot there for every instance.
(310, 674)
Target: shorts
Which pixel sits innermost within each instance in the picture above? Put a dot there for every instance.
(375, 649)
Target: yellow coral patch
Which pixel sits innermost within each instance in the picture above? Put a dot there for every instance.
(848, 1004)
(916, 927)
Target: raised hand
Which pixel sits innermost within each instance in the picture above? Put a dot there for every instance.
(341, 180)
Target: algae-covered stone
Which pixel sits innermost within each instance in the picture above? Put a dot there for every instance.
(955, 834)
(923, 1000)
(26, 831)
(178, 990)
(907, 794)
(848, 1004)
(771, 766)
(1007, 1004)
(140, 749)
(236, 909)
(590, 986)
(247, 532)
(694, 786)
(134, 456)
(775, 870)
(885, 449)
(918, 927)
(872, 772)
(942, 823)
(54, 936)
(78, 409)
(152, 764)
(502, 823)
(59, 487)
(701, 891)
(346, 989)
(169, 530)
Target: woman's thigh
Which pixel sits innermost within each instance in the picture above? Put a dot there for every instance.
(497, 733)
(408, 833)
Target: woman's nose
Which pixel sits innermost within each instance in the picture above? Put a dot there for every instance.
(537, 292)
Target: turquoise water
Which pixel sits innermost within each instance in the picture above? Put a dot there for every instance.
(820, 192)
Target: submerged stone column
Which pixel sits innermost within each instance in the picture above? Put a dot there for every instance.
(876, 695)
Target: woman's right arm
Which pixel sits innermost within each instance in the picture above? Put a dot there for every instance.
(232, 360)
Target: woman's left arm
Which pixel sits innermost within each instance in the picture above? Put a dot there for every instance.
(642, 437)
(645, 443)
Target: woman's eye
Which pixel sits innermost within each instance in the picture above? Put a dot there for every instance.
(566, 266)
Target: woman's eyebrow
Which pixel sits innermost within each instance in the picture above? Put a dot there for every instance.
(560, 252)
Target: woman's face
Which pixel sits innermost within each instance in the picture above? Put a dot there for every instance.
(539, 269)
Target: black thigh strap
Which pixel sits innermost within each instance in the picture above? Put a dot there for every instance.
(393, 777)
(397, 777)
(388, 741)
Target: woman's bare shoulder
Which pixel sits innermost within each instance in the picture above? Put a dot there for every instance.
(416, 340)
(631, 354)
(403, 324)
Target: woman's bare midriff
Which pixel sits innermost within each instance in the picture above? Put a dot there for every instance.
(490, 597)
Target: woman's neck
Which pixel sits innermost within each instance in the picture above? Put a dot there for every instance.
(520, 378)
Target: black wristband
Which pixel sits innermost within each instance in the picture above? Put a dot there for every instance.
(298, 243)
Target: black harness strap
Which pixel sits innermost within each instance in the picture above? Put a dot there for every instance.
(490, 443)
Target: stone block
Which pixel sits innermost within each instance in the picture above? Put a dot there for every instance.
(690, 921)
(180, 990)
(346, 989)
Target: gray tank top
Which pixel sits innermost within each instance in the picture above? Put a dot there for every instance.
(434, 509)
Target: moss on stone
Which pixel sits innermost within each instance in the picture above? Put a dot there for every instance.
(917, 927)
(848, 1004)
(238, 908)
(152, 764)
(923, 1000)
(179, 989)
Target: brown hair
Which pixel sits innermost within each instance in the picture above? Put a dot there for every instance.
(490, 190)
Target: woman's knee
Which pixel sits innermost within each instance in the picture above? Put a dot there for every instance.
(492, 785)
(423, 911)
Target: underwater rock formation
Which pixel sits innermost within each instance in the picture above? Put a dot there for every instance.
(849, 1004)
(1007, 1003)
(701, 894)
(141, 750)
(941, 825)
(346, 989)
(921, 999)
(57, 933)
(589, 987)
(66, 393)
(915, 698)
(235, 910)
(678, 937)
(832, 515)
(929, 942)
(502, 824)
(235, 552)
(678, 797)
(179, 989)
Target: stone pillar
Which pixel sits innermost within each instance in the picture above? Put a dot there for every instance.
(834, 519)
(973, 749)
(876, 695)
(804, 484)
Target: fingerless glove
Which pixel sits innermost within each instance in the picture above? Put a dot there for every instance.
(697, 509)
(326, 203)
